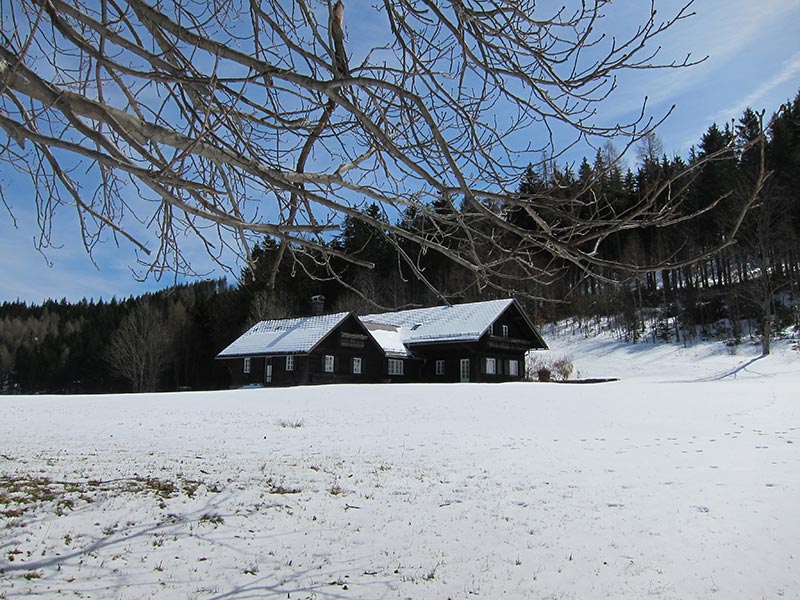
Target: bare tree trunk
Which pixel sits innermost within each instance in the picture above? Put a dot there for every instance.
(766, 333)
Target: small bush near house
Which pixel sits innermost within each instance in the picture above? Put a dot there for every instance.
(562, 367)
(549, 368)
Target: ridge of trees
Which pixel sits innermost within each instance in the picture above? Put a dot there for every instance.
(64, 347)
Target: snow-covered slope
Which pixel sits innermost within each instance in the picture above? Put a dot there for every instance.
(679, 481)
(603, 355)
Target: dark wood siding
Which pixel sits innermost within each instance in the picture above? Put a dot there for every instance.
(239, 378)
(412, 370)
(501, 351)
(346, 342)
(451, 354)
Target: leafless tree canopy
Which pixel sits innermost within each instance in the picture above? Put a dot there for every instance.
(228, 118)
(140, 348)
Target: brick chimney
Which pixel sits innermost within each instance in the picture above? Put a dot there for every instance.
(317, 305)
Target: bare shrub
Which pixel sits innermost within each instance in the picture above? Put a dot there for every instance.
(546, 367)
(562, 368)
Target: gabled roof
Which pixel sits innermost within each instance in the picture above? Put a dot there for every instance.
(284, 336)
(457, 323)
(395, 332)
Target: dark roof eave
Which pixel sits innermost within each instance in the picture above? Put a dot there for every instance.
(257, 354)
(442, 341)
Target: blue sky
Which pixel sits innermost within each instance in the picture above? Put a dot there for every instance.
(754, 60)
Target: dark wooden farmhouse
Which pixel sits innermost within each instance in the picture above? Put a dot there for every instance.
(477, 341)
(333, 348)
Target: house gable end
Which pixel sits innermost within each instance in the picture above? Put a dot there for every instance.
(323, 339)
(348, 319)
(523, 327)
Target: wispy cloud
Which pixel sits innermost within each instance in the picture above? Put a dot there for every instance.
(789, 72)
(720, 30)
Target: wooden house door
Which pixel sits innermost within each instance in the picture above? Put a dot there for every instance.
(268, 373)
(464, 370)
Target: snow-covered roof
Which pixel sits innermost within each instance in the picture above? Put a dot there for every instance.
(284, 336)
(395, 332)
(460, 322)
(390, 338)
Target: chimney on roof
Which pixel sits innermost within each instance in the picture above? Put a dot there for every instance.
(317, 305)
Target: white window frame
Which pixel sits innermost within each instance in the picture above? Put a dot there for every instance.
(491, 329)
(513, 368)
(395, 366)
(491, 366)
(290, 362)
(440, 367)
(356, 365)
(246, 365)
(328, 363)
(505, 331)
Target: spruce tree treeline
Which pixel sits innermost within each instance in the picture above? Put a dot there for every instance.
(59, 347)
(63, 347)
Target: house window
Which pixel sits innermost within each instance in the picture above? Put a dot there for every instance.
(290, 362)
(491, 329)
(513, 368)
(505, 331)
(395, 366)
(246, 368)
(440, 367)
(491, 366)
(356, 365)
(327, 363)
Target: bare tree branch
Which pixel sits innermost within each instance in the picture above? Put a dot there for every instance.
(238, 118)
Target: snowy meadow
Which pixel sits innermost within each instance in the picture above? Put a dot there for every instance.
(681, 480)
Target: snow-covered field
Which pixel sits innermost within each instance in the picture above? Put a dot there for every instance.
(682, 480)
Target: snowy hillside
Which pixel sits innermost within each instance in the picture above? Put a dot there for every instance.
(603, 355)
(679, 481)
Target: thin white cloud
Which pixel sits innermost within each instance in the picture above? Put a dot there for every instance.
(789, 72)
(720, 30)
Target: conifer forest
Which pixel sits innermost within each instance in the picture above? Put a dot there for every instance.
(744, 288)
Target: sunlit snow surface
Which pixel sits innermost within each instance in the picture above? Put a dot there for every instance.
(680, 481)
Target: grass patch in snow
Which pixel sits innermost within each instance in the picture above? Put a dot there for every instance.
(212, 518)
(278, 488)
(24, 494)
